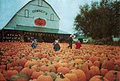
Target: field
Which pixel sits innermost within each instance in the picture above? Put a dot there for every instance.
(19, 62)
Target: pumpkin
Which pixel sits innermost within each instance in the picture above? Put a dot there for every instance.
(44, 77)
(112, 75)
(19, 77)
(86, 69)
(103, 71)
(45, 68)
(108, 64)
(93, 59)
(52, 74)
(27, 71)
(2, 78)
(9, 73)
(98, 78)
(2, 67)
(63, 70)
(40, 22)
(80, 74)
(94, 70)
(36, 74)
(18, 68)
(78, 61)
(72, 76)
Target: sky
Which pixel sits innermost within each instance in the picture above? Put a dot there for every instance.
(66, 10)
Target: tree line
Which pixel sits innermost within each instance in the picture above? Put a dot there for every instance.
(99, 20)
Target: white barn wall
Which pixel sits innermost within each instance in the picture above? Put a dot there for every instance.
(44, 12)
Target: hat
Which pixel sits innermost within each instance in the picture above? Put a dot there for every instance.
(71, 35)
(56, 41)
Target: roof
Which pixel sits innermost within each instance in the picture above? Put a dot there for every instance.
(7, 14)
(36, 29)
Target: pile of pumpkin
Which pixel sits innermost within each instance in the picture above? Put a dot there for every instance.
(19, 62)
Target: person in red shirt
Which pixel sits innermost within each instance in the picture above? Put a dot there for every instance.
(78, 44)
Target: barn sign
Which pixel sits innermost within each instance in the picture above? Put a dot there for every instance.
(40, 22)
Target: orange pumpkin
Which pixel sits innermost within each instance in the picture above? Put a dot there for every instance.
(103, 71)
(112, 75)
(63, 70)
(44, 77)
(36, 74)
(80, 74)
(98, 78)
(72, 76)
(108, 64)
(94, 70)
(27, 71)
(9, 73)
(2, 78)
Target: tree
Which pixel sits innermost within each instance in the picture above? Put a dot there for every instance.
(100, 19)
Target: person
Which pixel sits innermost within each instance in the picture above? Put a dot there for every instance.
(78, 44)
(34, 44)
(56, 45)
(70, 41)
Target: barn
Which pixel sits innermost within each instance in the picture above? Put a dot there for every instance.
(37, 19)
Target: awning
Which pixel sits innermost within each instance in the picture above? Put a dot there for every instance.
(36, 29)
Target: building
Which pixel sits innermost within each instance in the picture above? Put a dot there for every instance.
(37, 19)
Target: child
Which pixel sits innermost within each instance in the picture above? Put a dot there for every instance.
(70, 40)
(56, 45)
(34, 44)
(78, 44)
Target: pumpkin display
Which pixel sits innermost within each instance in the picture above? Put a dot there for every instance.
(89, 63)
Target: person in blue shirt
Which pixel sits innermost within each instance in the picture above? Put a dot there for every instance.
(34, 44)
(56, 45)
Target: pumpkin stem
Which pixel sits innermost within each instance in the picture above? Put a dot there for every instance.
(51, 62)
(6, 66)
(115, 79)
(102, 79)
(61, 75)
(30, 66)
(45, 74)
(18, 64)
(73, 58)
(46, 65)
(74, 65)
(49, 54)
(50, 70)
(108, 59)
(70, 72)
(100, 65)
(89, 67)
(115, 73)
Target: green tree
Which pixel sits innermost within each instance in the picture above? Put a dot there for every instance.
(100, 19)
